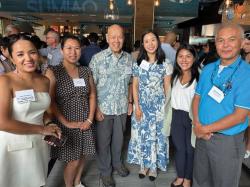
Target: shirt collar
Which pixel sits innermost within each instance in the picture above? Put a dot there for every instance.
(233, 65)
(109, 53)
(57, 47)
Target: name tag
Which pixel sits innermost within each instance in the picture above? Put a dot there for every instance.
(24, 96)
(49, 56)
(79, 82)
(144, 65)
(216, 94)
(19, 146)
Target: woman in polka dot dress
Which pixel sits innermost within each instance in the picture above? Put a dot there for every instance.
(73, 104)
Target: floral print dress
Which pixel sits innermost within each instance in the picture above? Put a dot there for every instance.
(149, 145)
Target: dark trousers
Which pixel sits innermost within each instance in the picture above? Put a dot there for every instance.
(217, 162)
(109, 142)
(181, 129)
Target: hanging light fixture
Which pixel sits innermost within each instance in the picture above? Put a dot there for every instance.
(157, 2)
(130, 2)
(227, 7)
(112, 11)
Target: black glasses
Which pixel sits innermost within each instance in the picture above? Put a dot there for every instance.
(247, 35)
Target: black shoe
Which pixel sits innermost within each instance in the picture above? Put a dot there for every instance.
(152, 176)
(122, 171)
(142, 173)
(180, 185)
(141, 176)
(108, 181)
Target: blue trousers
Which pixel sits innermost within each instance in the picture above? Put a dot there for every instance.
(181, 129)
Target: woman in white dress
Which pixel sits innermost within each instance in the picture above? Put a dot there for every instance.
(24, 99)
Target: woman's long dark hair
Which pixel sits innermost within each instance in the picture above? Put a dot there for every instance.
(4, 43)
(177, 73)
(160, 55)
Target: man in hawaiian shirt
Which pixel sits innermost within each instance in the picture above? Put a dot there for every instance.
(112, 69)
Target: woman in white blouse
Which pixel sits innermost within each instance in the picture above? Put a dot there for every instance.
(183, 81)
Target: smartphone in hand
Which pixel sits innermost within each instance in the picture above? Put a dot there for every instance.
(56, 141)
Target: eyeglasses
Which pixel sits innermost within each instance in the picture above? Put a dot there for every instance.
(247, 35)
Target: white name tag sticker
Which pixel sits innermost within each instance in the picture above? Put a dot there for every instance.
(23, 96)
(216, 94)
(144, 65)
(49, 56)
(79, 82)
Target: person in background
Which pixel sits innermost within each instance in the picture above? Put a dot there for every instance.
(246, 56)
(24, 98)
(209, 54)
(90, 50)
(11, 29)
(246, 47)
(184, 79)
(53, 50)
(135, 53)
(112, 69)
(73, 96)
(149, 146)
(5, 63)
(220, 108)
(176, 45)
(84, 43)
(167, 46)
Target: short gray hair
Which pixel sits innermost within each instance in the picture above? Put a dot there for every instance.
(55, 34)
(9, 28)
(230, 25)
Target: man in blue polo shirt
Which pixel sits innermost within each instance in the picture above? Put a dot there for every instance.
(220, 108)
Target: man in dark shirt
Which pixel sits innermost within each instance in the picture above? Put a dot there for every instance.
(90, 50)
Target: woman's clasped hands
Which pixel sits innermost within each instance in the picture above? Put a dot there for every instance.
(83, 125)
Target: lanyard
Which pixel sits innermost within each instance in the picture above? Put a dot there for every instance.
(227, 86)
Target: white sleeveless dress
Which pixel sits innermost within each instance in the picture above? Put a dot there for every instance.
(24, 158)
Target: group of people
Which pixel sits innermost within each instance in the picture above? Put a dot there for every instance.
(88, 106)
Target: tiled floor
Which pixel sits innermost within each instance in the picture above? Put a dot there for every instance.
(91, 177)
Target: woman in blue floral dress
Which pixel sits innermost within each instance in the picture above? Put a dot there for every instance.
(148, 146)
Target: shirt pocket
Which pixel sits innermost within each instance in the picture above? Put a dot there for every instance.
(19, 143)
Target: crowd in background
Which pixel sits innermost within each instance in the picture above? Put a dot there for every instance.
(82, 90)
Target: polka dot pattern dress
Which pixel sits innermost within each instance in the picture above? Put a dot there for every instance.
(73, 102)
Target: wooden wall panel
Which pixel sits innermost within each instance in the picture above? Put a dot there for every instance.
(143, 17)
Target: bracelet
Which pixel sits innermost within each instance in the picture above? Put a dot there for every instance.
(48, 123)
(89, 121)
(130, 102)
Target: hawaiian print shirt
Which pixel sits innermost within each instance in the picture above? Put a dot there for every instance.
(112, 76)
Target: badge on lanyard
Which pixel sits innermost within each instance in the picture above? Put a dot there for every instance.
(79, 82)
(144, 65)
(49, 56)
(216, 94)
(24, 96)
